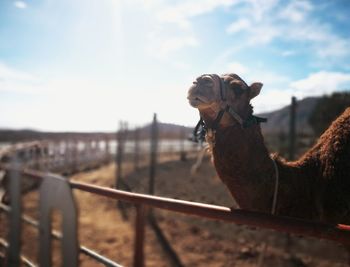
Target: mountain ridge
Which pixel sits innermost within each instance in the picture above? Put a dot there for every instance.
(278, 121)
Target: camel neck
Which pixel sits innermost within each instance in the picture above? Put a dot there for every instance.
(243, 163)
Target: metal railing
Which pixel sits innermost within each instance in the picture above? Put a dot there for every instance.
(338, 232)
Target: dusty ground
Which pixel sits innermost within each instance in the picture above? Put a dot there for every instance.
(202, 242)
(198, 242)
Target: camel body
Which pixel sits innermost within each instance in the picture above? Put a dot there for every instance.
(316, 187)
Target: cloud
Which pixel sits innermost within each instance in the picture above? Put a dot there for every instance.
(260, 28)
(237, 68)
(296, 11)
(20, 4)
(259, 10)
(269, 100)
(315, 84)
(324, 42)
(288, 53)
(12, 80)
(176, 20)
(175, 43)
(239, 25)
(180, 14)
(320, 83)
(294, 22)
(7, 72)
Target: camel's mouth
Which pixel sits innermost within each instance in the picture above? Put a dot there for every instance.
(195, 101)
(198, 96)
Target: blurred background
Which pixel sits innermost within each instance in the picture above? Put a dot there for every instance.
(81, 82)
(85, 65)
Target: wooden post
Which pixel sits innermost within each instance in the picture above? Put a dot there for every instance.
(66, 154)
(89, 149)
(107, 149)
(36, 157)
(75, 154)
(292, 135)
(121, 136)
(14, 235)
(153, 152)
(182, 144)
(53, 154)
(97, 149)
(292, 149)
(48, 155)
(139, 236)
(118, 157)
(93, 150)
(136, 148)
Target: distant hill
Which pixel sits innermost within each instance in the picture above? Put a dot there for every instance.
(166, 130)
(12, 136)
(278, 120)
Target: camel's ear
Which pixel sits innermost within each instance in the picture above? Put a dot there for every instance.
(255, 89)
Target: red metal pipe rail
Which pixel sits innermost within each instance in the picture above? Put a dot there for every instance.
(338, 232)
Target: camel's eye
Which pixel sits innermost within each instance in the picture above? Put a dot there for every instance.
(206, 81)
(237, 88)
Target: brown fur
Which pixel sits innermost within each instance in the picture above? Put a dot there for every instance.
(317, 186)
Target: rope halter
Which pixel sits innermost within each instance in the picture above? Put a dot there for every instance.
(201, 129)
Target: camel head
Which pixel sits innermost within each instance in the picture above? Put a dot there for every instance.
(211, 93)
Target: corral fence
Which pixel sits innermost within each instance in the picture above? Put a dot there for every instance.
(56, 192)
(75, 153)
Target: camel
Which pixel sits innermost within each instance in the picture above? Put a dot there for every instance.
(314, 187)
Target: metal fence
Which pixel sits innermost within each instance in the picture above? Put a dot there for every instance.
(56, 192)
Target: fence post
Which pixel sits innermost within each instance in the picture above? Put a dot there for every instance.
(96, 149)
(136, 148)
(292, 149)
(88, 152)
(121, 136)
(75, 154)
(55, 147)
(66, 154)
(36, 149)
(55, 192)
(182, 144)
(139, 236)
(153, 152)
(14, 235)
(292, 136)
(107, 149)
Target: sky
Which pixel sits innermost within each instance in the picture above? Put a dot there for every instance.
(84, 65)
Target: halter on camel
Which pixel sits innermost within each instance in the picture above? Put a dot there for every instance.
(202, 132)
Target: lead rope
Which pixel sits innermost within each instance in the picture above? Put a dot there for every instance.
(199, 161)
(273, 212)
(275, 193)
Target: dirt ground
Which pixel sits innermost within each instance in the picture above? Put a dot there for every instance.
(197, 241)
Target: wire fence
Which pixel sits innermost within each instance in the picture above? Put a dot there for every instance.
(40, 162)
(339, 233)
